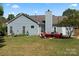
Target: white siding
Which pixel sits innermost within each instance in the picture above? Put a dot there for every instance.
(18, 23)
(62, 30)
(48, 22)
(58, 29)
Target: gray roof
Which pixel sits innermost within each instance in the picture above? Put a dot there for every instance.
(40, 18)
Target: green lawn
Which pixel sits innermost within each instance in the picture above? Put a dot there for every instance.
(34, 45)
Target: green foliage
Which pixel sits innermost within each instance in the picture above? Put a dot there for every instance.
(72, 18)
(3, 29)
(10, 16)
(69, 12)
(2, 20)
(27, 33)
(2, 25)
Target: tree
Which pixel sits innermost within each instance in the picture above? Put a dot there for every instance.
(72, 17)
(71, 20)
(2, 24)
(1, 10)
(10, 16)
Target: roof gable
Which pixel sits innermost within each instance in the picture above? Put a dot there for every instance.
(25, 15)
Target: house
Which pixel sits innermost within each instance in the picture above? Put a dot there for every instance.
(35, 24)
(23, 24)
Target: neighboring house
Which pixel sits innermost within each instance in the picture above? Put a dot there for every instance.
(35, 24)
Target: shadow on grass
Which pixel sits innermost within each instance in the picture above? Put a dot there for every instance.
(2, 41)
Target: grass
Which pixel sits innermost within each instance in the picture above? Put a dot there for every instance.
(36, 46)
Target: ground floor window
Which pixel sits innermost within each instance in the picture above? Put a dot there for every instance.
(23, 29)
(54, 29)
(11, 29)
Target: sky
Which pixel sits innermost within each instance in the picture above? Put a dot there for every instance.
(37, 8)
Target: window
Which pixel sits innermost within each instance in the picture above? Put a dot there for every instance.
(32, 26)
(23, 29)
(11, 31)
(54, 29)
(43, 21)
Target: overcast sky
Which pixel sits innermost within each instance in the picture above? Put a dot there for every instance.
(37, 8)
